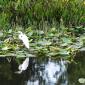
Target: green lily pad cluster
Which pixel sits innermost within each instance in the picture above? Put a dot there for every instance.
(52, 43)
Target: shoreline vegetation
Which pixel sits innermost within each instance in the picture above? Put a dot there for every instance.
(54, 27)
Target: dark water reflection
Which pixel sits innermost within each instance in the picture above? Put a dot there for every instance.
(48, 72)
(76, 69)
(41, 71)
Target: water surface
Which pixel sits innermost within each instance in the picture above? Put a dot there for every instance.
(42, 71)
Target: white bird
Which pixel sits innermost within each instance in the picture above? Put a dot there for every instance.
(24, 39)
(22, 67)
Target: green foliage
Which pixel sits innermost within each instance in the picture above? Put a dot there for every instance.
(40, 12)
(54, 27)
(63, 44)
(4, 22)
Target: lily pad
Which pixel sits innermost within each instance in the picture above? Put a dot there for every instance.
(81, 80)
(44, 42)
(66, 40)
(64, 44)
(10, 31)
(5, 48)
(82, 49)
(1, 34)
(21, 54)
(63, 52)
(52, 54)
(40, 32)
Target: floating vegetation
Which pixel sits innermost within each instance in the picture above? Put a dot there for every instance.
(81, 80)
(52, 44)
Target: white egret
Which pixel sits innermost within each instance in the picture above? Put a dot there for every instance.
(24, 39)
(22, 67)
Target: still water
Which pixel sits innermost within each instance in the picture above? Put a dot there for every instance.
(41, 71)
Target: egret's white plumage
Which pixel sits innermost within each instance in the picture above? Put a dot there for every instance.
(22, 67)
(24, 39)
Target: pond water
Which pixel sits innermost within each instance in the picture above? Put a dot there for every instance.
(42, 71)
